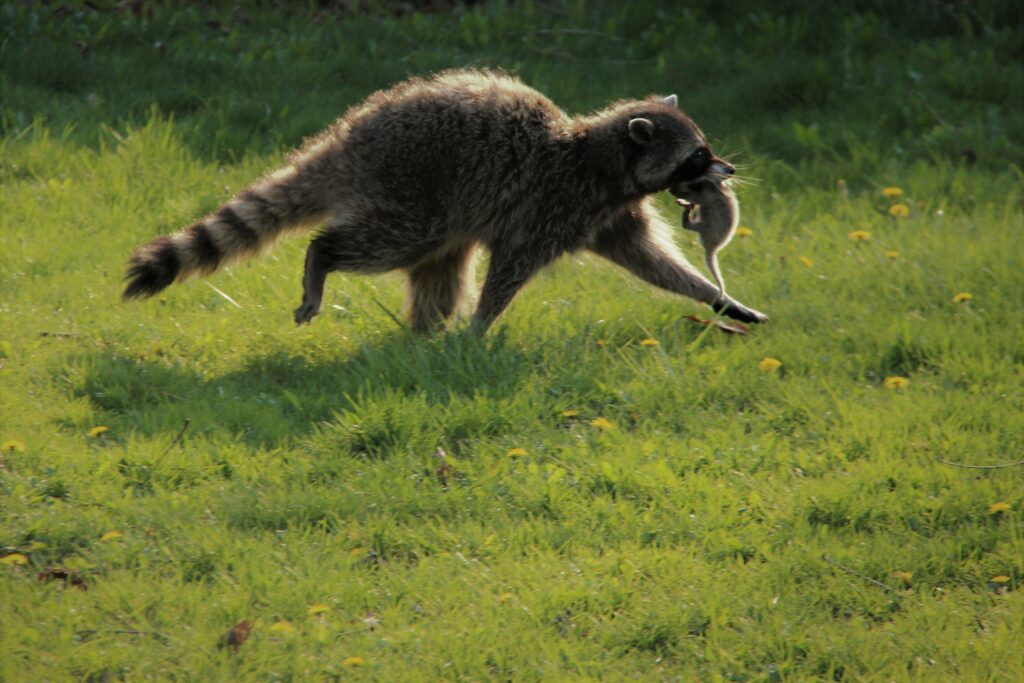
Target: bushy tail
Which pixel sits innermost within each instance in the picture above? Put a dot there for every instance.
(242, 228)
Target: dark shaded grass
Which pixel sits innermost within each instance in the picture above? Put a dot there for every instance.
(924, 75)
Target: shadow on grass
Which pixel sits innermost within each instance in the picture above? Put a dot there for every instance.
(275, 398)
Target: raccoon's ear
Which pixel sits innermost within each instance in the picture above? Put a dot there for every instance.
(672, 101)
(641, 130)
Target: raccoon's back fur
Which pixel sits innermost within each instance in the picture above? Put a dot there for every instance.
(417, 176)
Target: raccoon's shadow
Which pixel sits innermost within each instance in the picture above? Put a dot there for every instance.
(277, 397)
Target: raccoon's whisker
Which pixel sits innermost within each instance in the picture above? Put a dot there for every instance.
(744, 180)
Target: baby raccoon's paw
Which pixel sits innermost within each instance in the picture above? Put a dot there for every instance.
(738, 311)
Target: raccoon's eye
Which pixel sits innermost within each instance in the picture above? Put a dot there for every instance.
(695, 166)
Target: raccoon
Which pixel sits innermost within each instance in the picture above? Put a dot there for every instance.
(417, 177)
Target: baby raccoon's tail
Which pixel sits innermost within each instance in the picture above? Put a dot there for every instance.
(242, 228)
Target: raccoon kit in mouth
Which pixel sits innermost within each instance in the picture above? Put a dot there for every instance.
(418, 176)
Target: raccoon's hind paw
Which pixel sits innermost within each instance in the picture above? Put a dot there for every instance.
(738, 311)
(305, 313)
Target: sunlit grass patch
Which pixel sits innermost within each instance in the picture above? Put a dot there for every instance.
(601, 489)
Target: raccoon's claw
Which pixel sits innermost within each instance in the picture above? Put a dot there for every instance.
(738, 311)
(305, 313)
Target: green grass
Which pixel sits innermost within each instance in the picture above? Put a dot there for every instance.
(733, 524)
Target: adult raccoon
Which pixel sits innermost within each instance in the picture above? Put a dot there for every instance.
(416, 177)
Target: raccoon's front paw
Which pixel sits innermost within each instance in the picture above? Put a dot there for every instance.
(305, 313)
(738, 311)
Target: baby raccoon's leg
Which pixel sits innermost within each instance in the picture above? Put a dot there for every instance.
(436, 286)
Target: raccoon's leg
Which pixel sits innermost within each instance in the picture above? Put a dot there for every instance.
(506, 275)
(317, 267)
(641, 242)
(338, 247)
(436, 287)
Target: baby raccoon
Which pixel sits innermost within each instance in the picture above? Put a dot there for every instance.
(418, 176)
(710, 209)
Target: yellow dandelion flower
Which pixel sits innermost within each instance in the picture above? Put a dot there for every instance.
(14, 559)
(601, 342)
(905, 577)
(504, 597)
(893, 254)
(807, 262)
(892, 192)
(899, 210)
(318, 608)
(516, 452)
(962, 297)
(354, 660)
(996, 508)
(98, 430)
(769, 364)
(895, 382)
(570, 413)
(860, 236)
(13, 445)
(649, 342)
(744, 231)
(602, 423)
(1002, 578)
(111, 535)
(282, 627)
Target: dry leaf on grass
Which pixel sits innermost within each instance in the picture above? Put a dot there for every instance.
(70, 577)
(235, 636)
(728, 328)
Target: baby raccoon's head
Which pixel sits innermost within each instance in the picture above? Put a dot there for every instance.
(668, 150)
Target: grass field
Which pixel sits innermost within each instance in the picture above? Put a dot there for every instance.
(600, 489)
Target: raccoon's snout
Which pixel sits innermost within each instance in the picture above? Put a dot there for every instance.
(722, 168)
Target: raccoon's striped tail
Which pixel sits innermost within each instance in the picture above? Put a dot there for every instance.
(242, 228)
